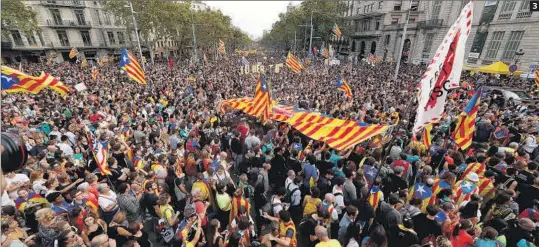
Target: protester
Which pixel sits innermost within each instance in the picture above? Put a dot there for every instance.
(184, 171)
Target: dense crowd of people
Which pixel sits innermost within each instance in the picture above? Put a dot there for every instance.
(203, 177)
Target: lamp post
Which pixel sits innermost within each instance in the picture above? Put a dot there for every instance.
(136, 33)
(518, 55)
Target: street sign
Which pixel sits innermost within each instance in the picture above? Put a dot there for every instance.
(513, 68)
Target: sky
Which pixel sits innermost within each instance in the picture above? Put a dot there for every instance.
(253, 17)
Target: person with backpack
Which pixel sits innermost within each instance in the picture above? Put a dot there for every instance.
(293, 196)
(339, 204)
(311, 202)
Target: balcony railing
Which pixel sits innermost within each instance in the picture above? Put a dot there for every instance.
(63, 3)
(505, 16)
(434, 23)
(66, 23)
(369, 33)
(522, 15)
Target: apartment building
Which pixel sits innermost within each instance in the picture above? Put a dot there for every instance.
(66, 24)
(501, 30)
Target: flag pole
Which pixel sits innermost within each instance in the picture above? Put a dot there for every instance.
(402, 43)
(136, 33)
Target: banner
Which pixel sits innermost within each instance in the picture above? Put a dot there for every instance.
(443, 72)
(256, 68)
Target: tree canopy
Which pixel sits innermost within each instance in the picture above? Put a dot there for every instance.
(16, 15)
(325, 14)
(163, 19)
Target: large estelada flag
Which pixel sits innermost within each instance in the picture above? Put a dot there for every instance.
(293, 63)
(537, 76)
(14, 81)
(129, 64)
(466, 124)
(443, 72)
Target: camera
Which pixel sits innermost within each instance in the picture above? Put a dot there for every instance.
(14, 153)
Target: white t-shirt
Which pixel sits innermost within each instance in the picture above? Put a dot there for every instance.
(106, 200)
(277, 206)
(339, 199)
(39, 188)
(6, 201)
(18, 179)
(66, 149)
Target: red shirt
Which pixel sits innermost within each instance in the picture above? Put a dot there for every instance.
(200, 209)
(463, 239)
(243, 130)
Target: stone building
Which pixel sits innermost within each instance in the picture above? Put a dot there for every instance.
(501, 30)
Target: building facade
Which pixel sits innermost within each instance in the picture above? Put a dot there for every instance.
(501, 30)
(67, 24)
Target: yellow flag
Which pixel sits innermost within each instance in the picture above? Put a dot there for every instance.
(84, 63)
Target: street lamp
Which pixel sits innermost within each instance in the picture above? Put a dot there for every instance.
(518, 54)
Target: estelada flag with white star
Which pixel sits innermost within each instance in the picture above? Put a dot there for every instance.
(129, 64)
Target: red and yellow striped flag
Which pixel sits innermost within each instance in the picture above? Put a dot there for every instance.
(84, 63)
(129, 64)
(537, 76)
(54, 84)
(293, 63)
(73, 53)
(22, 82)
(222, 48)
(262, 102)
(466, 124)
(95, 74)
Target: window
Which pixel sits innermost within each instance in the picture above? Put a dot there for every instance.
(107, 19)
(428, 45)
(507, 10)
(387, 39)
(414, 6)
(31, 39)
(17, 39)
(356, 25)
(97, 17)
(358, 10)
(411, 20)
(394, 20)
(111, 37)
(525, 6)
(436, 9)
(398, 5)
(377, 25)
(79, 13)
(512, 45)
(495, 43)
(380, 4)
(86, 38)
(40, 36)
(56, 17)
(62, 36)
(121, 38)
(75, 2)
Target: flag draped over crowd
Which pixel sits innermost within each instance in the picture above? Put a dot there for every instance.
(443, 72)
(129, 64)
(337, 133)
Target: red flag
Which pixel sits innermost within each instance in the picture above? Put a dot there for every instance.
(170, 63)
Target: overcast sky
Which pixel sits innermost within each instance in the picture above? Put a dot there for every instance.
(252, 16)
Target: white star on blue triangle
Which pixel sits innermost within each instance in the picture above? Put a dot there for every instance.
(263, 84)
(8, 81)
(125, 58)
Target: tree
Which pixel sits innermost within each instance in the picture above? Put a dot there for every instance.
(156, 19)
(16, 15)
(325, 14)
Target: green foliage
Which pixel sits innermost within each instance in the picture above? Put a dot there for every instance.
(16, 15)
(325, 15)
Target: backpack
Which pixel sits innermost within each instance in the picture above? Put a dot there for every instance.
(190, 208)
(288, 197)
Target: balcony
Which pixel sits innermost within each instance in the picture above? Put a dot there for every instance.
(67, 23)
(368, 34)
(429, 24)
(505, 15)
(79, 4)
(365, 15)
(523, 15)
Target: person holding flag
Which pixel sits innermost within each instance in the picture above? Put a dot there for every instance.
(343, 86)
